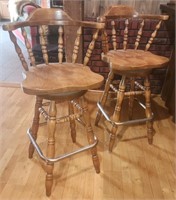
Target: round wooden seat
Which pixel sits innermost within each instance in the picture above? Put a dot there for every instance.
(60, 78)
(131, 59)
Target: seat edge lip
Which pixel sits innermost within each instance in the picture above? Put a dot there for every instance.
(118, 67)
(61, 91)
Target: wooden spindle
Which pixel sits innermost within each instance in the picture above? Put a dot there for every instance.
(43, 45)
(18, 50)
(117, 111)
(68, 118)
(153, 35)
(125, 38)
(113, 88)
(28, 46)
(90, 48)
(114, 42)
(76, 45)
(148, 110)
(90, 134)
(105, 95)
(104, 39)
(35, 124)
(60, 44)
(46, 31)
(72, 121)
(51, 146)
(138, 38)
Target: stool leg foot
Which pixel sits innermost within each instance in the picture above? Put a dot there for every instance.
(97, 119)
(90, 135)
(150, 133)
(49, 179)
(35, 124)
(112, 137)
(51, 146)
(96, 163)
(148, 110)
(117, 111)
(104, 96)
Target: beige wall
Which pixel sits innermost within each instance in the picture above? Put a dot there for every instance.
(94, 8)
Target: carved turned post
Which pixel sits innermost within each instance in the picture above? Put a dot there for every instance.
(125, 38)
(60, 44)
(148, 110)
(35, 124)
(104, 39)
(51, 146)
(28, 46)
(90, 134)
(90, 48)
(76, 45)
(138, 38)
(153, 35)
(72, 121)
(18, 50)
(43, 44)
(104, 96)
(114, 43)
(117, 110)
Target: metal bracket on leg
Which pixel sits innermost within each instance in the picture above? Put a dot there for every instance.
(125, 122)
(58, 158)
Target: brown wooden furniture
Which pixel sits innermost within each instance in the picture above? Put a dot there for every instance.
(58, 82)
(129, 61)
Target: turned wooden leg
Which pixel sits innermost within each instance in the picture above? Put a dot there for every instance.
(131, 99)
(35, 124)
(104, 96)
(72, 122)
(90, 134)
(116, 114)
(148, 110)
(51, 146)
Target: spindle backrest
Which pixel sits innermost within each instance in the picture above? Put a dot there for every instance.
(126, 27)
(45, 17)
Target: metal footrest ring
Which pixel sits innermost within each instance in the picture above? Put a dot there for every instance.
(61, 157)
(124, 122)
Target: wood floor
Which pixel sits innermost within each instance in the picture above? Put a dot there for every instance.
(135, 169)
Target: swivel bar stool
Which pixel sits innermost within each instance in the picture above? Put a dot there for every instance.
(58, 82)
(131, 59)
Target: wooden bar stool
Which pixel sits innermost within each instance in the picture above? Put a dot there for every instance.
(130, 59)
(58, 82)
